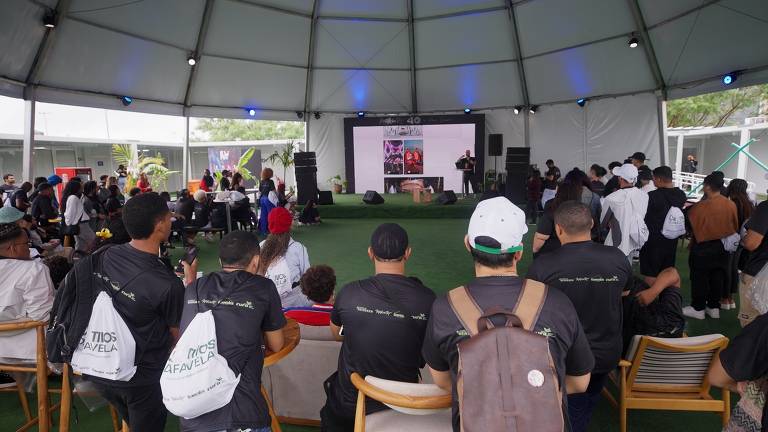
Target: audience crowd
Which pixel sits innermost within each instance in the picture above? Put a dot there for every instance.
(591, 229)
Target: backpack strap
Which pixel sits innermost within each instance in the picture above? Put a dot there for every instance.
(465, 308)
(530, 302)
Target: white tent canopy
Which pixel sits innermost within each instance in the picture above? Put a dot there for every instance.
(383, 56)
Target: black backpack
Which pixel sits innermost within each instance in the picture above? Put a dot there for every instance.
(72, 308)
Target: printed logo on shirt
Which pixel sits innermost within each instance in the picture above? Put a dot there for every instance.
(596, 279)
(394, 314)
(115, 286)
(245, 305)
(546, 332)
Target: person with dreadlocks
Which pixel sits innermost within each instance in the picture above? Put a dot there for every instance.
(284, 260)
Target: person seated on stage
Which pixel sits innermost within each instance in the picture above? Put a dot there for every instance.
(387, 344)
(318, 284)
(310, 215)
(250, 319)
(283, 259)
(26, 293)
(58, 267)
(653, 306)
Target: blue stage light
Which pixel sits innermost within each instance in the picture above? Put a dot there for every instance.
(251, 112)
(467, 110)
(361, 114)
(728, 79)
(126, 100)
(581, 102)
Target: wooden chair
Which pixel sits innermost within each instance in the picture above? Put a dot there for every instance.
(670, 374)
(421, 407)
(40, 369)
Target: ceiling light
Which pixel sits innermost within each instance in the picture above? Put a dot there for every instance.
(317, 115)
(581, 102)
(729, 79)
(299, 115)
(251, 112)
(191, 60)
(49, 19)
(467, 110)
(126, 100)
(633, 42)
(360, 114)
(517, 109)
(532, 109)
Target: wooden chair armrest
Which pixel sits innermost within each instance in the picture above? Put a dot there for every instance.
(625, 363)
(384, 396)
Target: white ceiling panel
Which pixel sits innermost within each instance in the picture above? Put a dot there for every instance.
(357, 89)
(600, 69)
(547, 25)
(427, 8)
(354, 44)
(171, 21)
(302, 6)
(364, 8)
(712, 30)
(464, 39)
(84, 57)
(476, 86)
(655, 11)
(235, 83)
(756, 10)
(20, 34)
(249, 32)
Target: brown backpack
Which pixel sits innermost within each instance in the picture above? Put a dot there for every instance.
(506, 379)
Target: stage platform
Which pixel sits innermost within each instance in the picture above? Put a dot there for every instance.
(395, 206)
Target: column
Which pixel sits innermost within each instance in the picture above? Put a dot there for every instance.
(29, 140)
(679, 158)
(741, 168)
(185, 168)
(661, 108)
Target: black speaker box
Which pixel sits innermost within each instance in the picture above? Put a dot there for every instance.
(447, 197)
(373, 197)
(495, 144)
(325, 198)
(306, 184)
(517, 165)
(518, 158)
(304, 159)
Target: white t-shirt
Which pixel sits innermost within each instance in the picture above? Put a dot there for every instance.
(297, 259)
(26, 293)
(625, 204)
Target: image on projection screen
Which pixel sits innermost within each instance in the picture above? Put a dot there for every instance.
(387, 156)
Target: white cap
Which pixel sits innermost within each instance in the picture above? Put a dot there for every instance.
(500, 220)
(627, 171)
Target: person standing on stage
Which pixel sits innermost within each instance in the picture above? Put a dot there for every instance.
(467, 166)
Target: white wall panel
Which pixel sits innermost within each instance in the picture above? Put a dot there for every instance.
(234, 83)
(20, 35)
(606, 68)
(364, 8)
(353, 44)
(557, 133)
(171, 21)
(304, 6)
(570, 23)
(84, 57)
(250, 32)
(479, 86)
(464, 39)
(655, 11)
(422, 8)
(512, 129)
(326, 139)
(359, 89)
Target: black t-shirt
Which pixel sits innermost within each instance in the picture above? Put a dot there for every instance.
(746, 357)
(251, 306)
(612, 186)
(112, 205)
(384, 319)
(19, 195)
(558, 321)
(150, 303)
(758, 223)
(659, 203)
(208, 180)
(662, 318)
(185, 207)
(592, 276)
(546, 226)
(42, 210)
(266, 186)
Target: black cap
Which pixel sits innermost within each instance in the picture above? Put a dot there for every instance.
(638, 156)
(389, 241)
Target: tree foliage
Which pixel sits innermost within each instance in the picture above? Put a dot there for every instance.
(716, 109)
(245, 130)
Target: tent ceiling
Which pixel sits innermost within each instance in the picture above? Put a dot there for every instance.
(276, 56)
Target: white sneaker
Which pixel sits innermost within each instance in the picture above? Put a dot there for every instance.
(712, 313)
(690, 312)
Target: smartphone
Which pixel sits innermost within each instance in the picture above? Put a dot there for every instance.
(189, 256)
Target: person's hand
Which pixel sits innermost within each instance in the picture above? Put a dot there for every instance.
(645, 297)
(190, 271)
(741, 387)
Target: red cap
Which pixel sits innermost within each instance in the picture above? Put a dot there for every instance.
(280, 220)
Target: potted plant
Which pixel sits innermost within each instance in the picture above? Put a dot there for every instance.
(337, 183)
(283, 157)
(346, 186)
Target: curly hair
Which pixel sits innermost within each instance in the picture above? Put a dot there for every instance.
(318, 283)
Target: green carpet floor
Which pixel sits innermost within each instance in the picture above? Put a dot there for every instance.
(442, 263)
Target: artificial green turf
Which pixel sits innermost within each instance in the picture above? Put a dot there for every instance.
(441, 262)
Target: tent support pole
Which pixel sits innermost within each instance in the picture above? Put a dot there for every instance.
(412, 51)
(520, 72)
(201, 34)
(661, 108)
(43, 50)
(29, 140)
(186, 169)
(310, 62)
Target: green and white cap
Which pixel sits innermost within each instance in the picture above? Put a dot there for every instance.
(497, 227)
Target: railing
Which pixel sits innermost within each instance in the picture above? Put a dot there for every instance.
(692, 183)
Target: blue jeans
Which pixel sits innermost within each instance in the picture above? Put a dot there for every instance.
(581, 405)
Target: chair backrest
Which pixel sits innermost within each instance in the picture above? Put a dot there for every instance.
(408, 398)
(673, 365)
(316, 333)
(17, 327)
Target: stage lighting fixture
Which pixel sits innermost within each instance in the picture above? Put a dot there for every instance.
(299, 115)
(517, 109)
(360, 114)
(633, 42)
(191, 60)
(467, 110)
(317, 115)
(532, 109)
(126, 100)
(729, 79)
(251, 112)
(49, 19)
(581, 102)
